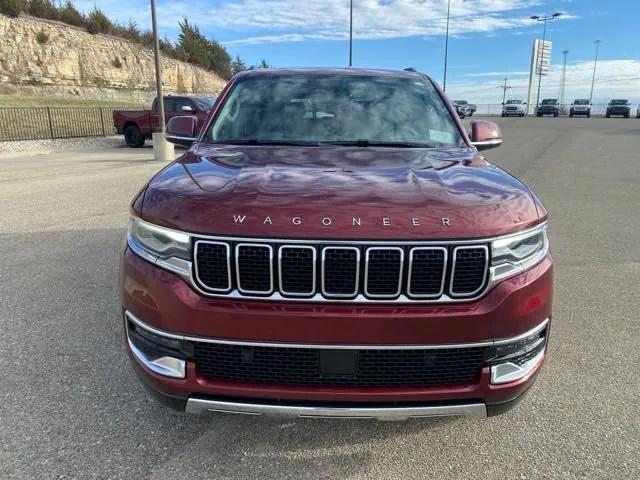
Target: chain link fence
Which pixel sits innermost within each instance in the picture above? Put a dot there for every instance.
(37, 123)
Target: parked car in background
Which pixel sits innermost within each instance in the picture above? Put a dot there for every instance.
(638, 112)
(619, 107)
(548, 106)
(138, 125)
(365, 262)
(462, 109)
(514, 107)
(472, 106)
(580, 106)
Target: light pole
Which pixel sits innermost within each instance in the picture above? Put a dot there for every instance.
(156, 55)
(446, 47)
(563, 78)
(350, 32)
(543, 19)
(504, 90)
(595, 63)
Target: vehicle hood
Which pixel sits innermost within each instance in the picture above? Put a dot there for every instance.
(338, 192)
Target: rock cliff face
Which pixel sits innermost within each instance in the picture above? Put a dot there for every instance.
(74, 63)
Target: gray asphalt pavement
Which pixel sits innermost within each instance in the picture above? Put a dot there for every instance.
(71, 406)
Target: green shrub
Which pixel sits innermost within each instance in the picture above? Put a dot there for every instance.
(43, 9)
(70, 14)
(98, 22)
(42, 37)
(13, 8)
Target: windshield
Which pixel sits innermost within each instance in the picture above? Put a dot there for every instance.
(205, 103)
(343, 109)
(549, 101)
(618, 102)
(581, 102)
(514, 102)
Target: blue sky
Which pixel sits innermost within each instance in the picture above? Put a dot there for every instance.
(490, 39)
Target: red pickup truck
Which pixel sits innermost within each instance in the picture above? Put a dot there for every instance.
(138, 125)
(334, 244)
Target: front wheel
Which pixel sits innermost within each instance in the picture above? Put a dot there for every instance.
(555, 114)
(133, 136)
(608, 115)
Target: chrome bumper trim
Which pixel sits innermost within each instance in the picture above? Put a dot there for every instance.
(332, 346)
(199, 406)
(510, 372)
(167, 366)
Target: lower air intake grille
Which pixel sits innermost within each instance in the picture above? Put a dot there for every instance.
(371, 368)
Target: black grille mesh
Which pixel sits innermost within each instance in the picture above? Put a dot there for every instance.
(340, 271)
(469, 272)
(374, 368)
(254, 268)
(427, 270)
(297, 274)
(212, 265)
(384, 268)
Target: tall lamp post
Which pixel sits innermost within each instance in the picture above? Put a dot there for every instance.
(156, 55)
(595, 63)
(350, 32)
(543, 19)
(162, 149)
(446, 47)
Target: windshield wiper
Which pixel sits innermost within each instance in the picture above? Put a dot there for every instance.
(376, 143)
(257, 141)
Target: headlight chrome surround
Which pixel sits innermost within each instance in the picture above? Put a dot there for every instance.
(514, 254)
(167, 248)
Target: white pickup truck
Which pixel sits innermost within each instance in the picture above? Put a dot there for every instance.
(514, 107)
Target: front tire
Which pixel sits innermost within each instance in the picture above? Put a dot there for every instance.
(608, 115)
(133, 136)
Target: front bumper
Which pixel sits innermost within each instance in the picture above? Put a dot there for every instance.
(165, 303)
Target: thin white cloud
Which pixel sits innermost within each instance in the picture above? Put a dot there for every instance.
(614, 78)
(497, 74)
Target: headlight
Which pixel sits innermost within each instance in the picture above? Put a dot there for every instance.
(167, 248)
(516, 253)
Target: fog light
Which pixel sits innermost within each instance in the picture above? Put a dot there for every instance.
(515, 359)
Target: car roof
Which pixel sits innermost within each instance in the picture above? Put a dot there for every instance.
(372, 72)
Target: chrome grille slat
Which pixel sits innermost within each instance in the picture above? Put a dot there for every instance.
(425, 272)
(335, 278)
(362, 272)
(254, 268)
(383, 272)
(297, 270)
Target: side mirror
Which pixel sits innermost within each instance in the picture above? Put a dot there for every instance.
(182, 130)
(187, 108)
(485, 135)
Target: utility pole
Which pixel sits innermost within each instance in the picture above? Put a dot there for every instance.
(504, 90)
(543, 19)
(350, 32)
(563, 78)
(446, 47)
(595, 63)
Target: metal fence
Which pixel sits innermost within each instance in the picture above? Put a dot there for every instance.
(35, 123)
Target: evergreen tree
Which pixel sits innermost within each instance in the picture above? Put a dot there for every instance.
(237, 65)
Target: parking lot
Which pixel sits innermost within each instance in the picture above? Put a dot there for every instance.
(72, 406)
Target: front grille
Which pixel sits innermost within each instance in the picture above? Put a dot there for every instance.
(384, 272)
(343, 272)
(254, 268)
(371, 368)
(470, 270)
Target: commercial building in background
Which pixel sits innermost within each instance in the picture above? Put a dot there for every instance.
(540, 61)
